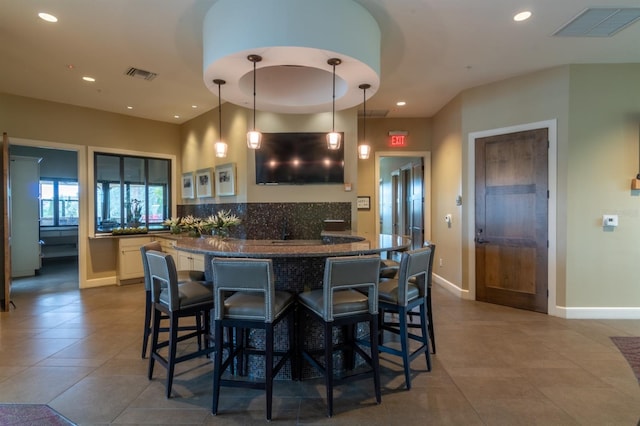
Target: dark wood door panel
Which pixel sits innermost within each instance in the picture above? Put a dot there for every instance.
(511, 219)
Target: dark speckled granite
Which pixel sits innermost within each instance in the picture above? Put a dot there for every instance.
(276, 221)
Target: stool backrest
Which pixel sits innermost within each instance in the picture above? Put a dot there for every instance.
(154, 245)
(351, 272)
(163, 274)
(432, 246)
(414, 266)
(246, 275)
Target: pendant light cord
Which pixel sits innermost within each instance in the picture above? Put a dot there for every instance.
(333, 109)
(254, 95)
(364, 115)
(220, 110)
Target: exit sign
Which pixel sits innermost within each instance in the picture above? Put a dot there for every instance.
(397, 138)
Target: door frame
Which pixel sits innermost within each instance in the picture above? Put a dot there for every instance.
(426, 188)
(81, 152)
(551, 125)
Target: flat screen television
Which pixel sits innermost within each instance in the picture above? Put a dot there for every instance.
(298, 159)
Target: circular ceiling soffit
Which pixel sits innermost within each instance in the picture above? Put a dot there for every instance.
(295, 39)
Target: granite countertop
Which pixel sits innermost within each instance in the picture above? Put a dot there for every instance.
(331, 244)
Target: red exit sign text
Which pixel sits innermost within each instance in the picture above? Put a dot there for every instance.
(397, 140)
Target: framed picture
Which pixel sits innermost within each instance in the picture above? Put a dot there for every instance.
(204, 183)
(363, 203)
(187, 185)
(226, 179)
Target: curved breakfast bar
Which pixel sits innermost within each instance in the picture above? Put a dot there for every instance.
(298, 265)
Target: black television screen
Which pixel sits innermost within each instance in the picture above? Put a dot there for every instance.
(298, 158)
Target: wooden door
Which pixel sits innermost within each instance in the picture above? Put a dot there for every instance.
(5, 283)
(511, 219)
(416, 206)
(396, 196)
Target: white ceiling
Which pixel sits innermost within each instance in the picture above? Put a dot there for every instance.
(431, 51)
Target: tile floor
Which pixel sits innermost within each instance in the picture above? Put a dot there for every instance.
(79, 352)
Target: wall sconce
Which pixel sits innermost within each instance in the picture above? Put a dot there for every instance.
(254, 137)
(333, 138)
(220, 147)
(364, 149)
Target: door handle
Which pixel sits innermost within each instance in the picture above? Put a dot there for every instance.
(478, 239)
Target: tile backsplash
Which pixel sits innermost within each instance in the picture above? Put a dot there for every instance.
(276, 221)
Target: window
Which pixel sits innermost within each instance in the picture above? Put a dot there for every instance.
(58, 202)
(131, 191)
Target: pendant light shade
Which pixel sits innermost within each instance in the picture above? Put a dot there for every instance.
(364, 149)
(254, 137)
(334, 138)
(220, 147)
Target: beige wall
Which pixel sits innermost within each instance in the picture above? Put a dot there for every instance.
(602, 158)
(199, 135)
(32, 122)
(447, 173)
(596, 155)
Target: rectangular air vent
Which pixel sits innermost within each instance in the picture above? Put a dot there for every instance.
(599, 22)
(374, 113)
(141, 74)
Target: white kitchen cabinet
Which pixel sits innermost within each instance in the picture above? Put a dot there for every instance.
(25, 215)
(167, 247)
(190, 261)
(130, 260)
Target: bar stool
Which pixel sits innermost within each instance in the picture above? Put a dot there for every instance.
(349, 296)
(183, 276)
(401, 295)
(245, 298)
(175, 301)
(389, 269)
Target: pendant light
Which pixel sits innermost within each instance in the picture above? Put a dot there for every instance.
(364, 149)
(254, 137)
(220, 147)
(333, 138)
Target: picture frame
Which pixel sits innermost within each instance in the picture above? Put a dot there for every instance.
(226, 179)
(187, 185)
(204, 183)
(363, 203)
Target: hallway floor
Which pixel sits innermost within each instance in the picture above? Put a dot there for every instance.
(79, 352)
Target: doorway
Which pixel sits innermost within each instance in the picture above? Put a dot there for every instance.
(59, 217)
(551, 228)
(404, 195)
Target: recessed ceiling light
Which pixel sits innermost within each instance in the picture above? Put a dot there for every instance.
(47, 17)
(176, 116)
(129, 107)
(89, 79)
(401, 103)
(194, 106)
(522, 16)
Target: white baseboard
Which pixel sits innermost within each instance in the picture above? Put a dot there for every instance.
(559, 311)
(451, 287)
(98, 282)
(598, 313)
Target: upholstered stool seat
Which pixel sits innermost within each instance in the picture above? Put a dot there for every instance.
(388, 291)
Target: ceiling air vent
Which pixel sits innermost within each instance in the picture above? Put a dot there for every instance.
(374, 113)
(599, 22)
(141, 74)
